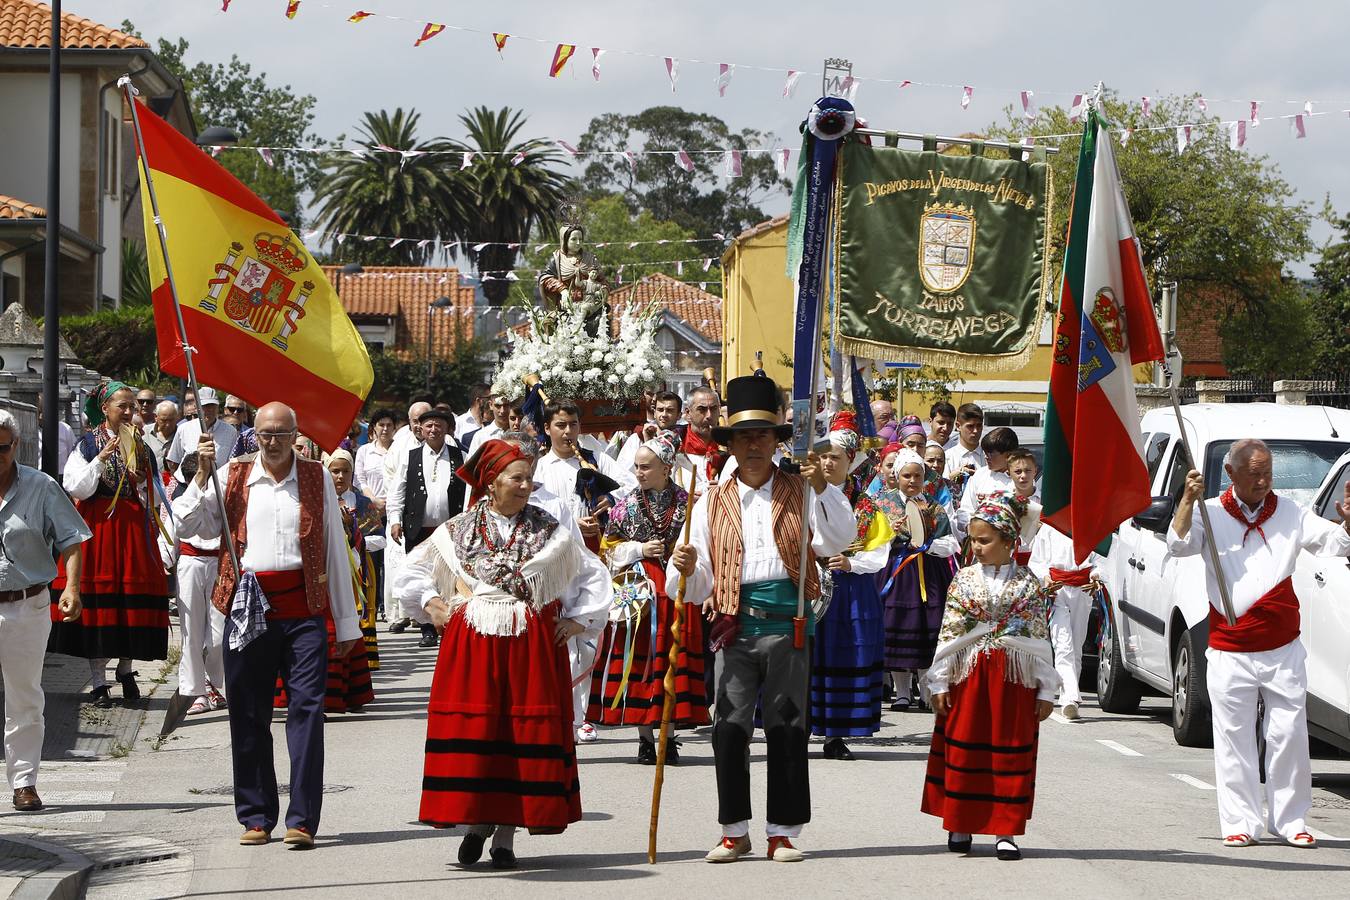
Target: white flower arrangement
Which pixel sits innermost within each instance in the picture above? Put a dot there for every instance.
(571, 363)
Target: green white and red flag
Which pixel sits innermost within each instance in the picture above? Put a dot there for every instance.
(1095, 476)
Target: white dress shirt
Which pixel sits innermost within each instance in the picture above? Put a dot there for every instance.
(984, 482)
(437, 470)
(272, 521)
(559, 476)
(1253, 566)
(829, 518)
(958, 456)
(370, 469)
(189, 433)
(483, 435)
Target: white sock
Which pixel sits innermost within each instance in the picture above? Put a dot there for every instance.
(504, 837)
(1005, 837)
(98, 673)
(123, 667)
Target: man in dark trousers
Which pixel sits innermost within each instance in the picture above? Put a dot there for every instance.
(426, 492)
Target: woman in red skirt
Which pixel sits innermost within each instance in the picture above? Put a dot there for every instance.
(507, 587)
(110, 474)
(993, 681)
(627, 687)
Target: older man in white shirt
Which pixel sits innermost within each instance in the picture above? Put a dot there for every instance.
(189, 433)
(400, 615)
(294, 574)
(1259, 536)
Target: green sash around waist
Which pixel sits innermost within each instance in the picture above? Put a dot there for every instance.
(777, 598)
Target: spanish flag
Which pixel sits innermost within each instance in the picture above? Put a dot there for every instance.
(560, 58)
(260, 316)
(430, 31)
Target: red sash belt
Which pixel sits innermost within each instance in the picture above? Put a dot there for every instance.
(1272, 622)
(285, 592)
(186, 549)
(1071, 577)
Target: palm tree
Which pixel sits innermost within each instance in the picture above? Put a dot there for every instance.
(412, 197)
(510, 189)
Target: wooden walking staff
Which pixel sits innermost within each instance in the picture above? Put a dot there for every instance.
(668, 688)
(178, 704)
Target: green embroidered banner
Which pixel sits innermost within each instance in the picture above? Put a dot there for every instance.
(942, 258)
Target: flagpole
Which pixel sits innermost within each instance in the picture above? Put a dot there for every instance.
(125, 83)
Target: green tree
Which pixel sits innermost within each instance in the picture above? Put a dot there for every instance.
(399, 376)
(1210, 216)
(1331, 302)
(609, 222)
(260, 113)
(1290, 311)
(704, 200)
(513, 187)
(407, 198)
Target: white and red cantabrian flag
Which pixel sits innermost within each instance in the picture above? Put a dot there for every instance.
(1095, 476)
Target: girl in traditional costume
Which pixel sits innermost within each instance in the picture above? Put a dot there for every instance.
(992, 683)
(111, 476)
(914, 582)
(349, 685)
(507, 587)
(627, 687)
(846, 671)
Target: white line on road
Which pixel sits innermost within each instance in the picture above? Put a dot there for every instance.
(52, 820)
(78, 797)
(1120, 748)
(1193, 781)
(95, 776)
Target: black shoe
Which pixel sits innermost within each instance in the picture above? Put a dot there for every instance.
(101, 697)
(901, 704)
(956, 846)
(835, 748)
(471, 848)
(503, 858)
(672, 752)
(1007, 850)
(400, 626)
(428, 636)
(646, 752)
(131, 692)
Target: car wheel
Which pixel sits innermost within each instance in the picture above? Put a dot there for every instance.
(1190, 707)
(1117, 691)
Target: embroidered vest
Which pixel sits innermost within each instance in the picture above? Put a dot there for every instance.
(415, 494)
(726, 546)
(313, 546)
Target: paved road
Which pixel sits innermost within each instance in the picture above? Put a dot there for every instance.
(1121, 812)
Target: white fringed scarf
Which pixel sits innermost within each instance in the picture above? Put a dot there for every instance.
(981, 625)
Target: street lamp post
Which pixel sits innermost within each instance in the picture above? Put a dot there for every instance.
(438, 303)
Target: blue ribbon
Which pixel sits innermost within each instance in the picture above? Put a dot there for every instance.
(867, 425)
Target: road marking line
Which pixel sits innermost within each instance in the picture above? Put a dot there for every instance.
(75, 776)
(1120, 748)
(78, 797)
(1322, 835)
(50, 820)
(1193, 781)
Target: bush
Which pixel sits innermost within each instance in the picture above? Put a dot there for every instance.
(118, 343)
(398, 378)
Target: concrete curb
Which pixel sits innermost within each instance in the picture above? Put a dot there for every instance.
(63, 881)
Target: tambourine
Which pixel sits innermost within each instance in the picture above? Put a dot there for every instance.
(633, 592)
(822, 603)
(1031, 523)
(917, 524)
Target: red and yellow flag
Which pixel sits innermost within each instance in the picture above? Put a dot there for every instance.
(359, 16)
(262, 319)
(500, 40)
(560, 58)
(429, 32)
(292, 7)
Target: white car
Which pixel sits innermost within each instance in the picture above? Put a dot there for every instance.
(1158, 629)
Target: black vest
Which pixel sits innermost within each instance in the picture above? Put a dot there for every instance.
(415, 494)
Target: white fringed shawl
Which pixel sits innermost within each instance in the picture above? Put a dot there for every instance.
(976, 623)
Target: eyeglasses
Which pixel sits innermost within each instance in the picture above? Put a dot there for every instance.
(269, 436)
(5, 448)
(235, 408)
(145, 401)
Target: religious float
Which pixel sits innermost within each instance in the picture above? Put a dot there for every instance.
(581, 346)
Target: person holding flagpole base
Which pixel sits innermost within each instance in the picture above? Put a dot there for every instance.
(1260, 657)
(742, 563)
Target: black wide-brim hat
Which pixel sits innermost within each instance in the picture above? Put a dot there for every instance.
(752, 402)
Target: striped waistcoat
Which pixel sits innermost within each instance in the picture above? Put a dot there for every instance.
(726, 546)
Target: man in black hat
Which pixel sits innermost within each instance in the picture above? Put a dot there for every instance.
(426, 492)
(743, 563)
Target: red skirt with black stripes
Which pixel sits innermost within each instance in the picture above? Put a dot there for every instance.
(982, 763)
(348, 686)
(122, 585)
(500, 747)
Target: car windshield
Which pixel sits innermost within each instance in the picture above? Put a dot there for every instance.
(1299, 467)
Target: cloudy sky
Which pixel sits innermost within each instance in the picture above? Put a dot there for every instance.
(1282, 53)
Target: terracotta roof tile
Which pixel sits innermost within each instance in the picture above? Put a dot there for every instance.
(405, 293)
(10, 208)
(27, 24)
(768, 225)
(698, 309)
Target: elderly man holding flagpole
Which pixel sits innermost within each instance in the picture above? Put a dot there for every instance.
(1259, 536)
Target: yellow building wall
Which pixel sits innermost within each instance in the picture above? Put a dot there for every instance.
(757, 306)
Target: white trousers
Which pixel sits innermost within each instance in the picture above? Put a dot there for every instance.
(24, 627)
(396, 608)
(203, 627)
(1068, 630)
(1236, 680)
(581, 651)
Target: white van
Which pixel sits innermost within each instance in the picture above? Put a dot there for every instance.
(1158, 629)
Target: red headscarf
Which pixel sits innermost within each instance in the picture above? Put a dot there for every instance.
(484, 466)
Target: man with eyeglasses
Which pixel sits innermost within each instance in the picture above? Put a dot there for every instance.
(145, 408)
(236, 415)
(500, 422)
(283, 516)
(209, 423)
(37, 523)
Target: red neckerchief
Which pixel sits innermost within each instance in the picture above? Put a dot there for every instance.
(1230, 503)
(694, 445)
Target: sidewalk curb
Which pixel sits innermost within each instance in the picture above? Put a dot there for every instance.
(63, 881)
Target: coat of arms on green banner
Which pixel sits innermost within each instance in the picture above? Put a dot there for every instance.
(942, 257)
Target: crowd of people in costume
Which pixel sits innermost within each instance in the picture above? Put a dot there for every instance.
(905, 568)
